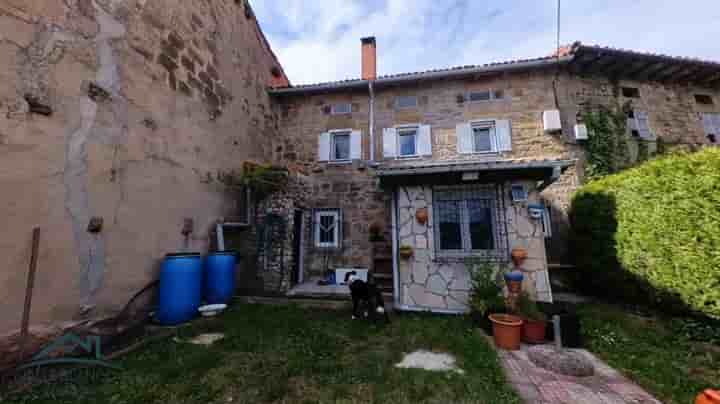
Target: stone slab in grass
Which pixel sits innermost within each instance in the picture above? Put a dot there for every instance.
(432, 361)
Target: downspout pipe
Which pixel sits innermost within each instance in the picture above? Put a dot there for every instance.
(394, 232)
(371, 130)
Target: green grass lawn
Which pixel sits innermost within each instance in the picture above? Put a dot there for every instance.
(277, 354)
(651, 351)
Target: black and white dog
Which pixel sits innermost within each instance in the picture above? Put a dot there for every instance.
(367, 298)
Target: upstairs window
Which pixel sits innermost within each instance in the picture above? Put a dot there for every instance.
(484, 138)
(327, 228)
(488, 136)
(711, 125)
(340, 146)
(342, 108)
(631, 92)
(406, 101)
(703, 99)
(639, 125)
(407, 142)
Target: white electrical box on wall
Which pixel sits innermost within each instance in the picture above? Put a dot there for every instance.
(551, 120)
(581, 132)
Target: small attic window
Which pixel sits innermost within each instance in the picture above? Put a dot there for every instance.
(406, 101)
(275, 71)
(631, 92)
(341, 108)
(703, 99)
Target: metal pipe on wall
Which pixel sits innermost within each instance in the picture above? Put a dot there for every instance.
(371, 114)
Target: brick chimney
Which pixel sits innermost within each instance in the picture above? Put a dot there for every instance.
(369, 58)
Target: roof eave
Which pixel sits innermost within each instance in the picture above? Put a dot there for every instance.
(415, 77)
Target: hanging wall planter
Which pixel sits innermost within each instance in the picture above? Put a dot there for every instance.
(518, 255)
(406, 252)
(513, 280)
(421, 215)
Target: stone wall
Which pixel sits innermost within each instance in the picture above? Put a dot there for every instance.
(352, 187)
(429, 281)
(674, 116)
(120, 110)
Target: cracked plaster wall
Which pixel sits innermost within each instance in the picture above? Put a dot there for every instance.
(148, 98)
(430, 282)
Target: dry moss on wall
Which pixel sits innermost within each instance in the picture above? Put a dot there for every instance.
(651, 234)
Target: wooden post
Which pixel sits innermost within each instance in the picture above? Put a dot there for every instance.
(29, 291)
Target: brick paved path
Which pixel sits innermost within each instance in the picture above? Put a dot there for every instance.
(539, 386)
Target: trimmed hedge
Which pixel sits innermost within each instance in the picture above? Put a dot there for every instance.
(651, 234)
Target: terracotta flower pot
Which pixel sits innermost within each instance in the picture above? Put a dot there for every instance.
(534, 331)
(421, 215)
(708, 397)
(507, 330)
(518, 255)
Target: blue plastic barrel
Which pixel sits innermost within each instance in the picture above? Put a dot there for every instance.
(180, 288)
(220, 277)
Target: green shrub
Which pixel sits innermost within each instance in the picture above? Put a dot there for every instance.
(651, 234)
(484, 289)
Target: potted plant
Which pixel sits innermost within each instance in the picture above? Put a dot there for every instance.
(507, 330)
(485, 297)
(406, 251)
(534, 320)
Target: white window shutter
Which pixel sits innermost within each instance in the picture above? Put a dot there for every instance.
(324, 146)
(642, 125)
(711, 123)
(542, 287)
(503, 134)
(464, 137)
(424, 140)
(389, 142)
(356, 145)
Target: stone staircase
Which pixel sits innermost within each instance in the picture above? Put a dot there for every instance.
(382, 268)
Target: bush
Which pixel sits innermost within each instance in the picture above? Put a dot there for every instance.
(651, 234)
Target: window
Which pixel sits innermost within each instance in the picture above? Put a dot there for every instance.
(483, 138)
(703, 99)
(486, 95)
(639, 125)
(327, 228)
(338, 109)
(340, 146)
(711, 124)
(488, 136)
(631, 92)
(406, 101)
(467, 221)
(407, 142)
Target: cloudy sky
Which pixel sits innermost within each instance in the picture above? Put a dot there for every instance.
(319, 40)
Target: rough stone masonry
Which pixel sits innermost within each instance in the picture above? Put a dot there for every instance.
(118, 112)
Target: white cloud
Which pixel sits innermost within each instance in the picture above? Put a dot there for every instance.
(319, 40)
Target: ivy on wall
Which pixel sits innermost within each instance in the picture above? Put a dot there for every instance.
(607, 146)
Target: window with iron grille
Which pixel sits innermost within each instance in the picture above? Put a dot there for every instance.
(328, 228)
(470, 221)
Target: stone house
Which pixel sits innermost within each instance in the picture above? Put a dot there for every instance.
(120, 113)
(467, 163)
